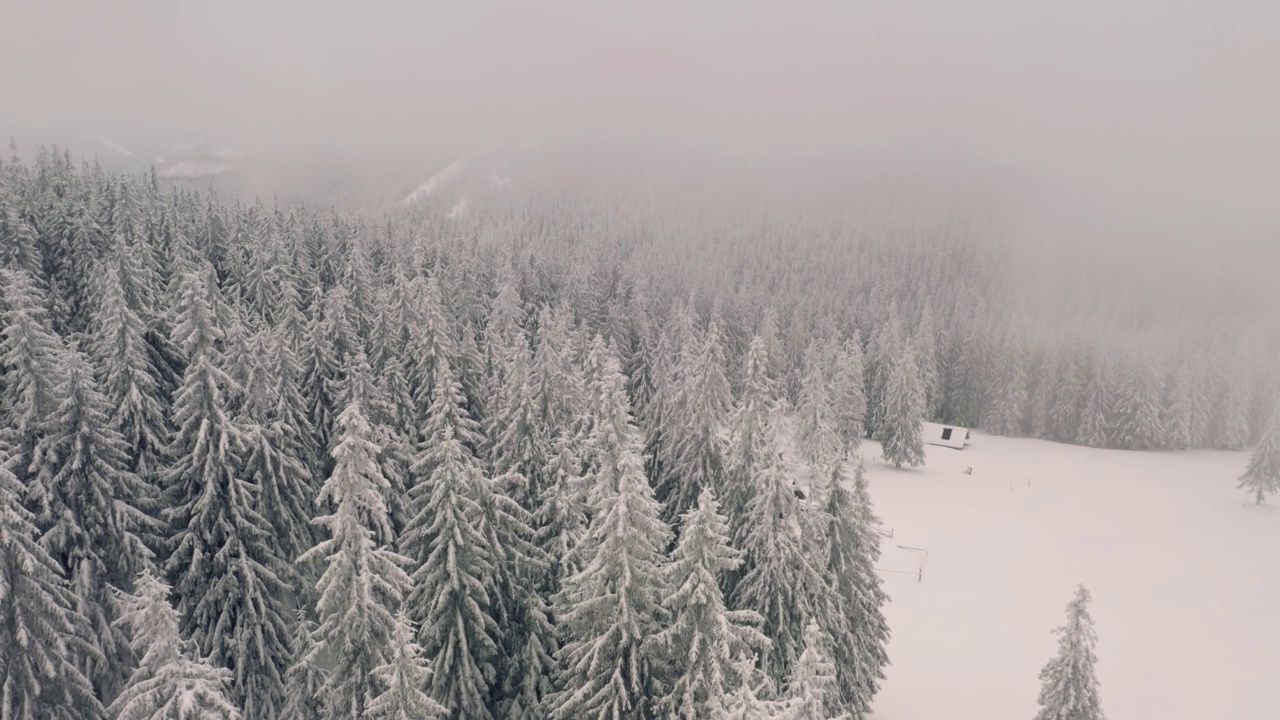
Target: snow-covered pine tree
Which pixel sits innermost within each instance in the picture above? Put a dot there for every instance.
(884, 353)
(900, 431)
(816, 429)
(363, 583)
(848, 393)
(170, 681)
(853, 617)
(403, 680)
(1094, 428)
(229, 595)
(812, 693)
(608, 608)
(699, 647)
(320, 386)
(749, 431)
(30, 357)
(1262, 477)
(1137, 417)
(1070, 689)
(90, 517)
(455, 565)
(1178, 407)
(130, 380)
(744, 702)
(698, 414)
(1008, 386)
(1231, 415)
(782, 584)
(304, 683)
(274, 464)
(42, 633)
(561, 519)
(432, 340)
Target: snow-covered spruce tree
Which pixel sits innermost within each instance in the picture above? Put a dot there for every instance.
(1262, 477)
(170, 681)
(744, 702)
(1070, 689)
(432, 340)
(42, 633)
(848, 393)
(274, 464)
(884, 353)
(853, 616)
(561, 519)
(89, 516)
(403, 680)
(1231, 413)
(783, 584)
(926, 342)
(749, 432)
(1008, 387)
(698, 649)
(900, 432)
(320, 384)
(1178, 407)
(30, 357)
(816, 432)
(455, 564)
(663, 418)
(812, 693)
(698, 413)
(1094, 428)
(608, 608)
(228, 593)
(517, 442)
(1137, 416)
(305, 682)
(363, 583)
(130, 380)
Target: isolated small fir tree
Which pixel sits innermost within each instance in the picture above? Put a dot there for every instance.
(1262, 477)
(1070, 689)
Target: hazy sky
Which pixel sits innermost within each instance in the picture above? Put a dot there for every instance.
(1164, 110)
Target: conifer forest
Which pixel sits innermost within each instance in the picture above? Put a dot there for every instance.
(547, 459)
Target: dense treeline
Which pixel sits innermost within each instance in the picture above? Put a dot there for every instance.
(537, 461)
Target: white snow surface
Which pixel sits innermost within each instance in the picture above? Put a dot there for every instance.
(1182, 567)
(435, 181)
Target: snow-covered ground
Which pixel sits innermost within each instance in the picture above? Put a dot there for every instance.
(1184, 571)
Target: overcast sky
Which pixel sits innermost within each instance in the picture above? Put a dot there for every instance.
(1163, 110)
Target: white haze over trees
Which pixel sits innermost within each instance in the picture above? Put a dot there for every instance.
(378, 362)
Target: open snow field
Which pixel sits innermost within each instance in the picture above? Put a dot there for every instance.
(1184, 571)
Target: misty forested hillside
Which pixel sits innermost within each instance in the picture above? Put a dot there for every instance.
(525, 461)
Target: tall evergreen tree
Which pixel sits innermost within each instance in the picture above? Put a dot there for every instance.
(363, 583)
(1070, 689)
(848, 393)
(811, 688)
(816, 430)
(1262, 476)
(455, 565)
(170, 682)
(228, 593)
(900, 432)
(404, 680)
(783, 584)
(705, 637)
(31, 358)
(613, 604)
(853, 617)
(90, 518)
(305, 682)
(42, 632)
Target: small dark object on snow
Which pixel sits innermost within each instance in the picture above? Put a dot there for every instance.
(799, 493)
(967, 471)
